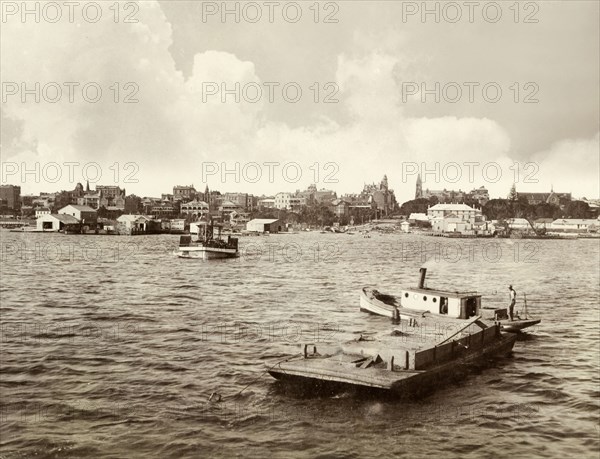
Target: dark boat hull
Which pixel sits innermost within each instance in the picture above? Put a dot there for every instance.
(333, 372)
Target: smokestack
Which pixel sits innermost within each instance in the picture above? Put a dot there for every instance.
(423, 272)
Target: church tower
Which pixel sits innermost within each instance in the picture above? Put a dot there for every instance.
(419, 190)
(207, 196)
(384, 183)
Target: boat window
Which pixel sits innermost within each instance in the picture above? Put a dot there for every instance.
(471, 304)
(424, 298)
(434, 300)
(406, 295)
(443, 305)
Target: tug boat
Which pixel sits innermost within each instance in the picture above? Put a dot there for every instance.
(422, 354)
(207, 246)
(422, 301)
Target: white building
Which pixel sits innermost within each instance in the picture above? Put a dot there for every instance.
(57, 222)
(42, 211)
(405, 227)
(282, 200)
(461, 211)
(456, 218)
(289, 201)
(264, 225)
(130, 224)
(177, 224)
(195, 208)
(575, 225)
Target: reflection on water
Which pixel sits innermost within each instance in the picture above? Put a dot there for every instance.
(111, 347)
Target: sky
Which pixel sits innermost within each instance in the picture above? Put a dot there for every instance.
(332, 93)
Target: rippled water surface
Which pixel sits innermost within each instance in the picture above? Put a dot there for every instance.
(111, 347)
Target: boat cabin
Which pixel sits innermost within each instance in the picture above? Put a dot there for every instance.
(458, 305)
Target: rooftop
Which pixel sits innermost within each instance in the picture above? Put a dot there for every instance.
(451, 207)
(79, 208)
(68, 219)
(264, 221)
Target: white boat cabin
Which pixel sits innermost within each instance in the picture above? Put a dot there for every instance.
(458, 305)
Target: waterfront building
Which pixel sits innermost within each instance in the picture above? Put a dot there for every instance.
(263, 225)
(57, 222)
(462, 211)
(575, 225)
(84, 214)
(132, 224)
(177, 225)
(41, 211)
(456, 218)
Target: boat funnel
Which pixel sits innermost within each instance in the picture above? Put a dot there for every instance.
(423, 272)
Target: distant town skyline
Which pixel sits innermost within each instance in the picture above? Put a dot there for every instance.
(403, 191)
(435, 188)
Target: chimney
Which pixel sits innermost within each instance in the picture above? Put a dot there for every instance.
(423, 272)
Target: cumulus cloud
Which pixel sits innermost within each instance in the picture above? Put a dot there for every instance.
(174, 127)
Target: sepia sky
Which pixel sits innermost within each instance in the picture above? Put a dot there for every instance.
(373, 54)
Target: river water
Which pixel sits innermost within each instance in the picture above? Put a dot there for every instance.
(111, 347)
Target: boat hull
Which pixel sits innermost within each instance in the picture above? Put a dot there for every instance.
(375, 306)
(340, 371)
(206, 253)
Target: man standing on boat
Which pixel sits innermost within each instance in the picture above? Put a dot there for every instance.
(513, 300)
